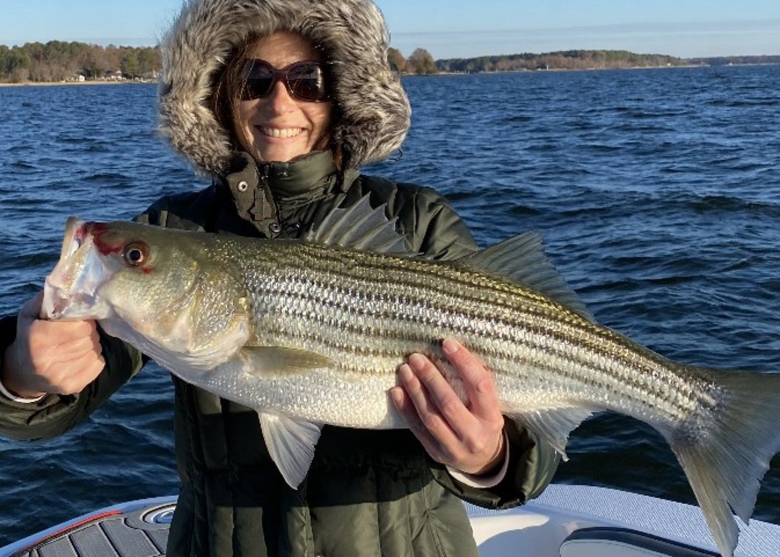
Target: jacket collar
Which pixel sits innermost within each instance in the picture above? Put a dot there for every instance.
(266, 194)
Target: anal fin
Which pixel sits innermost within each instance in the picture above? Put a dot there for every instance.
(554, 426)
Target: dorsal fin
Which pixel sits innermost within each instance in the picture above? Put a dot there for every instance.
(360, 227)
(522, 259)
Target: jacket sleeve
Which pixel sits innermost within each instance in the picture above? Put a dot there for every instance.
(56, 414)
(439, 233)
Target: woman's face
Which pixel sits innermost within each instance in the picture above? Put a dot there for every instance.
(278, 127)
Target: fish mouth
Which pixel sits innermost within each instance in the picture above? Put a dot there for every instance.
(57, 303)
(71, 287)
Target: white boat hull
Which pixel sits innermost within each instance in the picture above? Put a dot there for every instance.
(566, 521)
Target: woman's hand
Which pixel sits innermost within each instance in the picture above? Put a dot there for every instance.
(468, 437)
(51, 357)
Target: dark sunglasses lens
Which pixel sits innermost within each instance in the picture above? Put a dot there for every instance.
(257, 88)
(259, 80)
(307, 82)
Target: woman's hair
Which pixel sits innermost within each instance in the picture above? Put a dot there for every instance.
(228, 85)
(227, 88)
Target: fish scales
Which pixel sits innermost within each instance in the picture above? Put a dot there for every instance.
(371, 311)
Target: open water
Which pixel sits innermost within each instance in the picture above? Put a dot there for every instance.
(657, 193)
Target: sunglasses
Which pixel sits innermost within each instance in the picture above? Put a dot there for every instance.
(305, 81)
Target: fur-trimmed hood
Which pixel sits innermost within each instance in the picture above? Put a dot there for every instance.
(373, 107)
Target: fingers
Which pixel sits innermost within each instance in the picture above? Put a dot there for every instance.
(463, 433)
(76, 375)
(54, 357)
(419, 379)
(479, 385)
(79, 347)
(432, 384)
(57, 341)
(406, 407)
(58, 333)
(66, 355)
(428, 381)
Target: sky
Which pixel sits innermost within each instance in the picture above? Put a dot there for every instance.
(454, 28)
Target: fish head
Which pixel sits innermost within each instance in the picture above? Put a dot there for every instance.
(110, 269)
(166, 292)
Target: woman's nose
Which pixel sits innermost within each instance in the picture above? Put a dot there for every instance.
(279, 98)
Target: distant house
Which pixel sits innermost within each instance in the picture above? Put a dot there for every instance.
(113, 75)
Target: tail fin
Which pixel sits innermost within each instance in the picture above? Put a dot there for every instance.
(726, 464)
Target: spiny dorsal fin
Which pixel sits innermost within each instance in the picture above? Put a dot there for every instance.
(360, 227)
(522, 259)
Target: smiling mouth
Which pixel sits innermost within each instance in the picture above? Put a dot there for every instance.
(280, 133)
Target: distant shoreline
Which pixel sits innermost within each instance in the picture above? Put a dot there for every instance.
(405, 75)
(54, 83)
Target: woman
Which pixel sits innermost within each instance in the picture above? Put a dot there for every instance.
(305, 98)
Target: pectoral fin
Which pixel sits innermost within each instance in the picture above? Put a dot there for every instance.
(275, 360)
(291, 444)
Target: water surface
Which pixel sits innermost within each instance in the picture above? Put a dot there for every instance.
(657, 193)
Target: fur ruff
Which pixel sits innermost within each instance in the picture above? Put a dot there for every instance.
(374, 110)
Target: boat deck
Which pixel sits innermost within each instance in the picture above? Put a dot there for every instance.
(137, 529)
(565, 521)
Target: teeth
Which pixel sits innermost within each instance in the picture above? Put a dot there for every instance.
(281, 133)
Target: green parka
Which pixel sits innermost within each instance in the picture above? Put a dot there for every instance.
(368, 493)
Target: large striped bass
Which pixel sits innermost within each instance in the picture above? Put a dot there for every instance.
(310, 333)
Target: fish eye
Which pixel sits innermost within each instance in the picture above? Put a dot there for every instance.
(135, 253)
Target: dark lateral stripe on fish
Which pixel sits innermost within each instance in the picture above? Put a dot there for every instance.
(503, 309)
(416, 275)
(363, 289)
(352, 297)
(353, 302)
(411, 327)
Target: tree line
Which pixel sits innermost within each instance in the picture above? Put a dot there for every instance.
(563, 60)
(736, 60)
(57, 61)
(421, 62)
